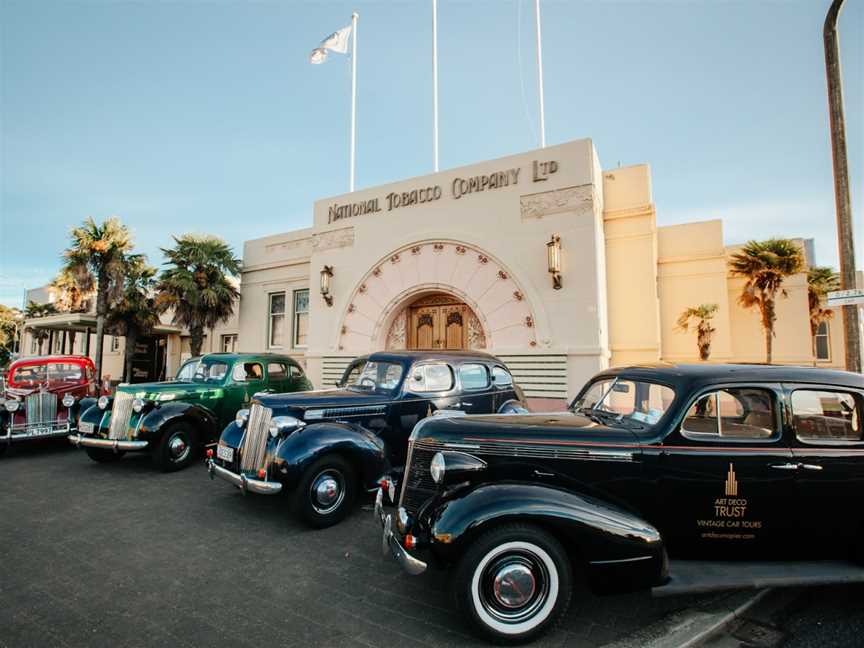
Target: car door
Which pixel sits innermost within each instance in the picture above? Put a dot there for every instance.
(502, 382)
(828, 447)
(725, 474)
(277, 377)
(478, 394)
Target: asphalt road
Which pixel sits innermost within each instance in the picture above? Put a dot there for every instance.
(123, 555)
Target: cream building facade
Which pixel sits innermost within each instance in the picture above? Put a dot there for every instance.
(458, 259)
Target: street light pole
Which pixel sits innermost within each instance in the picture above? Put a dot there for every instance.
(842, 198)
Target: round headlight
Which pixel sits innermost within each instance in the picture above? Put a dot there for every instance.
(12, 405)
(103, 402)
(68, 400)
(241, 417)
(138, 405)
(281, 424)
(437, 468)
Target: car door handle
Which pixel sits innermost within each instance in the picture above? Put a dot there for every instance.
(810, 466)
(786, 466)
(540, 473)
(467, 403)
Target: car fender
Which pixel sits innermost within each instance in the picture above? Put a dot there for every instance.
(366, 451)
(154, 420)
(95, 416)
(512, 406)
(596, 531)
(78, 409)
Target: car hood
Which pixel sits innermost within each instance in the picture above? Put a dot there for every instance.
(565, 428)
(323, 398)
(170, 390)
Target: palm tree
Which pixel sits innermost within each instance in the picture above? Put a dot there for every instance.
(820, 281)
(10, 320)
(134, 314)
(702, 316)
(197, 284)
(35, 311)
(764, 265)
(96, 260)
(70, 298)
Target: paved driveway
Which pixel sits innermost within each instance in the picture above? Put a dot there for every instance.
(123, 555)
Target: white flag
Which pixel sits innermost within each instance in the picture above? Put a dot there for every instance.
(335, 42)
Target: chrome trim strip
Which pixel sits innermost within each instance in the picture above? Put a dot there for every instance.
(621, 560)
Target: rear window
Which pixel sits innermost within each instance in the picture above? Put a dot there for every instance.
(735, 413)
(474, 376)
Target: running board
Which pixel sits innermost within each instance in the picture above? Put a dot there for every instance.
(697, 576)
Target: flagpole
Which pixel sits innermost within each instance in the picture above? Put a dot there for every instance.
(435, 84)
(540, 75)
(354, 17)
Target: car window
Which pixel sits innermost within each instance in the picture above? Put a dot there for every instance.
(245, 371)
(474, 376)
(64, 372)
(294, 371)
(378, 376)
(501, 376)
(625, 400)
(29, 376)
(210, 372)
(734, 413)
(431, 378)
(353, 373)
(276, 371)
(187, 371)
(826, 415)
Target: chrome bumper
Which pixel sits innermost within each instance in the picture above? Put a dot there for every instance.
(390, 544)
(116, 445)
(22, 432)
(242, 482)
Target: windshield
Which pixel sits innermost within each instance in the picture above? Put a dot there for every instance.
(622, 401)
(210, 371)
(52, 375)
(378, 376)
(187, 371)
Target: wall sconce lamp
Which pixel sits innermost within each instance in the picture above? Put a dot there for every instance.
(326, 275)
(553, 252)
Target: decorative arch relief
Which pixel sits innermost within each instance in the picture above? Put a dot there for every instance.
(374, 317)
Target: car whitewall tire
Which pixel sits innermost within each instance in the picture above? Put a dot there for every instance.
(514, 583)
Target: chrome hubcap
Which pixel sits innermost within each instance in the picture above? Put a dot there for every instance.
(178, 448)
(514, 585)
(327, 491)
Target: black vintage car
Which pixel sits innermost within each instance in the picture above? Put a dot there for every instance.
(327, 446)
(719, 462)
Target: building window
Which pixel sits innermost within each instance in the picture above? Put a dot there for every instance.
(276, 333)
(229, 343)
(301, 317)
(823, 342)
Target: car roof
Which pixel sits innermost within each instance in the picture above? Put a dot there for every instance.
(696, 375)
(31, 360)
(239, 355)
(413, 356)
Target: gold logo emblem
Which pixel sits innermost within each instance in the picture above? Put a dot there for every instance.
(731, 482)
(429, 410)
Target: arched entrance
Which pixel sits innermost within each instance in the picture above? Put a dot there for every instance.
(436, 321)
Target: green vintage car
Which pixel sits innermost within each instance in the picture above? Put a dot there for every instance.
(175, 420)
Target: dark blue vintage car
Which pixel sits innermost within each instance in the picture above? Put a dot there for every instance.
(328, 446)
(689, 463)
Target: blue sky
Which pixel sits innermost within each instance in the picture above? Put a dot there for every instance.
(206, 116)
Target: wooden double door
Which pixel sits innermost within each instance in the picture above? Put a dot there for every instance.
(438, 322)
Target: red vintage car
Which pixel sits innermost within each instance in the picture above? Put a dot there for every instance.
(44, 396)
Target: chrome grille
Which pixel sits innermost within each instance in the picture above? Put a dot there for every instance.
(417, 486)
(121, 413)
(254, 445)
(41, 408)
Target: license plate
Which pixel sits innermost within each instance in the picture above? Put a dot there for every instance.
(39, 431)
(85, 427)
(225, 453)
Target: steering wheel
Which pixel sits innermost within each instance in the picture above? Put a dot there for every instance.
(367, 382)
